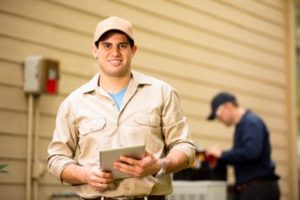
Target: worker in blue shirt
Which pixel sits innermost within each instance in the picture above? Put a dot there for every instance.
(250, 154)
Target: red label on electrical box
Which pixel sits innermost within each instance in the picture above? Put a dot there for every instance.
(51, 86)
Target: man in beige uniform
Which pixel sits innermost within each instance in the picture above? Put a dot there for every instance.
(120, 107)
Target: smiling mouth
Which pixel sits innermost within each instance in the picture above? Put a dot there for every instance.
(115, 62)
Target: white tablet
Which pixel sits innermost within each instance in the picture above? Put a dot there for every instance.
(109, 156)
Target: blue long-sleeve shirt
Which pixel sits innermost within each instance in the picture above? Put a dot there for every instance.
(251, 151)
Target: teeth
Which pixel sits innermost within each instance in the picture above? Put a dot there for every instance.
(115, 62)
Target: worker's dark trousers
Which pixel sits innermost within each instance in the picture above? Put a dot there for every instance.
(261, 190)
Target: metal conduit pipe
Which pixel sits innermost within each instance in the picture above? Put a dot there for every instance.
(36, 171)
(29, 145)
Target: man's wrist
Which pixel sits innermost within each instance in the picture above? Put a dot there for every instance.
(84, 174)
(163, 168)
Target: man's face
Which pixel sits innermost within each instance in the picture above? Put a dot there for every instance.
(224, 114)
(114, 55)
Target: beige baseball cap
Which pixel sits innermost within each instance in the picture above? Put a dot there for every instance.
(113, 23)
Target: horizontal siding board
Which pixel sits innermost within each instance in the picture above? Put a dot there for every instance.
(49, 104)
(206, 142)
(14, 123)
(43, 34)
(280, 155)
(37, 10)
(282, 170)
(16, 172)
(237, 17)
(13, 98)
(11, 73)
(43, 145)
(6, 144)
(261, 103)
(69, 83)
(278, 139)
(215, 129)
(259, 11)
(47, 125)
(20, 153)
(12, 192)
(213, 61)
(49, 180)
(204, 75)
(278, 4)
(80, 66)
(284, 189)
(251, 56)
(276, 124)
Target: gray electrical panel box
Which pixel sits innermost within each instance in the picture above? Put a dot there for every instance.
(40, 75)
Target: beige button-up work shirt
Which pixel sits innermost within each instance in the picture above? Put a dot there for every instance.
(88, 120)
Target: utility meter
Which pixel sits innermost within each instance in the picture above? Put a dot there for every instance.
(41, 75)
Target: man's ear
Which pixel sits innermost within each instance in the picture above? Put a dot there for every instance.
(133, 50)
(95, 51)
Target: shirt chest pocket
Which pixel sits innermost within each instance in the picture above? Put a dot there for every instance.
(92, 126)
(146, 119)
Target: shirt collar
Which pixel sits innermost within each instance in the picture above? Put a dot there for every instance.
(137, 79)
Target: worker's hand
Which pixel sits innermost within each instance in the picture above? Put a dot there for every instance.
(97, 179)
(213, 153)
(138, 168)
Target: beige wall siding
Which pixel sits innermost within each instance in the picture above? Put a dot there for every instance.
(199, 46)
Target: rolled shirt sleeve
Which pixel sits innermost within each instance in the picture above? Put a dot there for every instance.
(62, 148)
(175, 127)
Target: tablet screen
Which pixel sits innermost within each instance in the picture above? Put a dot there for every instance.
(109, 156)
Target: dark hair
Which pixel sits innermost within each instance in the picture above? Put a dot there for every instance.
(107, 34)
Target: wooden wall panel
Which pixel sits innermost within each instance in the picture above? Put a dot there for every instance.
(14, 98)
(259, 10)
(237, 17)
(9, 141)
(12, 123)
(12, 191)
(276, 4)
(11, 73)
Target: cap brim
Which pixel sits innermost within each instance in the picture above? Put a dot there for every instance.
(112, 29)
(212, 116)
